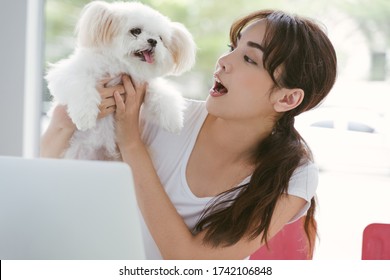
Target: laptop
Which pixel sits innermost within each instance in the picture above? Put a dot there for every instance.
(68, 210)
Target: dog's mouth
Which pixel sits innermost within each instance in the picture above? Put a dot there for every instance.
(145, 55)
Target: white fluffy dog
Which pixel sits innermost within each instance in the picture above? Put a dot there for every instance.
(112, 39)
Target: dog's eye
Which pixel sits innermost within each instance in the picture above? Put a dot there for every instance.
(135, 31)
(161, 39)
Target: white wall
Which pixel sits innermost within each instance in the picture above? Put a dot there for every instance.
(19, 121)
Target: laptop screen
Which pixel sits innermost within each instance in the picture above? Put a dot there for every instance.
(67, 209)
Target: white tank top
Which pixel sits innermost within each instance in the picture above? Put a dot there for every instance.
(170, 154)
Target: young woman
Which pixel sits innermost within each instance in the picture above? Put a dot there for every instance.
(238, 171)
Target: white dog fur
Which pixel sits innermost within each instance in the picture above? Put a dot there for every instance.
(112, 39)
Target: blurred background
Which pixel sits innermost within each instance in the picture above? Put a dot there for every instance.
(355, 116)
(349, 133)
(359, 29)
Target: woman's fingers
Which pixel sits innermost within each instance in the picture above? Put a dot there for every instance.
(127, 95)
(120, 103)
(129, 86)
(110, 101)
(108, 105)
(127, 113)
(104, 82)
(135, 93)
(109, 91)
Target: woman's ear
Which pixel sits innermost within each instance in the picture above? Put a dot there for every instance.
(288, 99)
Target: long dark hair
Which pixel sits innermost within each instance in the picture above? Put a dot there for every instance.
(304, 57)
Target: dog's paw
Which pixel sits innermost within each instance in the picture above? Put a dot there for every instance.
(164, 105)
(84, 120)
(172, 122)
(86, 124)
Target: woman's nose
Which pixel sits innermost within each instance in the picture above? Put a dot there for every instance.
(224, 64)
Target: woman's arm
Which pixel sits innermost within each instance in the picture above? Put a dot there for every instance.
(56, 138)
(167, 227)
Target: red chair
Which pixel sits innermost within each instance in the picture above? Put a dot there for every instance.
(290, 243)
(376, 242)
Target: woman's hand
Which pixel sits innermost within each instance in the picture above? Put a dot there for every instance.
(127, 113)
(108, 104)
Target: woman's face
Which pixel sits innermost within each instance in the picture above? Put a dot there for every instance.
(242, 86)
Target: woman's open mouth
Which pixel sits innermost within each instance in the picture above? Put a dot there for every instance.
(218, 89)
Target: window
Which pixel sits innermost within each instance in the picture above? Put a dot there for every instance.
(360, 127)
(324, 124)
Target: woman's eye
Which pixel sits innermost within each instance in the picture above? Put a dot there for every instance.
(231, 47)
(247, 59)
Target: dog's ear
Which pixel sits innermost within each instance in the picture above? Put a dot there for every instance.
(183, 48)
(96, 25)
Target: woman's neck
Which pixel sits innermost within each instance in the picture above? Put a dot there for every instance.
(233, 141)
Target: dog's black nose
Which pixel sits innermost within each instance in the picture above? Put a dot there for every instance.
(152, 42)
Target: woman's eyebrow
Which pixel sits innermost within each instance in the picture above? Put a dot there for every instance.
(251, 44)
(255, 45)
